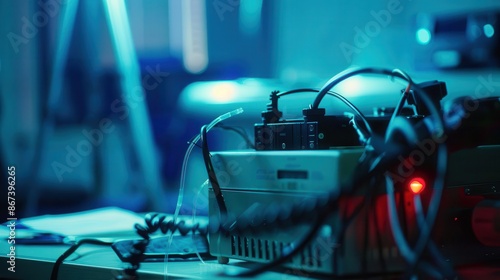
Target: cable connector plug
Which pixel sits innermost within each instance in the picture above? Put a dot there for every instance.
(272, 115)
(313, 114)
(436, 91)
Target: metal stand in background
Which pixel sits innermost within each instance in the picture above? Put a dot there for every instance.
(131, 91)
(131, 88)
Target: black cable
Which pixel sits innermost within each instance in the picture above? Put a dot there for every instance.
(414, 256)
(364, 261)
(211, 172)
(71, 250)
(155, 222)
(439, 183)
(212, 177)
(240, 131)
(383, 265)
(403, 127)
(346, 74)
(338, 96)
(370, 207)
(297, 91)
(404, 96)
(444, 267)
(355, 109)
(402, 213)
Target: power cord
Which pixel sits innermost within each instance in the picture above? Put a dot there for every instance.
(211, 173)
(71, 250)
(155, 222)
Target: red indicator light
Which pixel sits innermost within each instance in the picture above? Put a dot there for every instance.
(417, 185)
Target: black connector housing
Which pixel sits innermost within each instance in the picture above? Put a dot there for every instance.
(315, 132)
(436, 91)
(272, 114)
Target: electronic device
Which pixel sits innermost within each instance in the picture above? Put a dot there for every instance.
(467, 40)
(273, 195)
(270, 179)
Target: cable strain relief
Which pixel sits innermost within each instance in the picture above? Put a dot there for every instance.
(311, 114)
(274, 100)
(272, 114)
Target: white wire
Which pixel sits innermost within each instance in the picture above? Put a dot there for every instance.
(180, 198)
(193, 219)
(188, 153)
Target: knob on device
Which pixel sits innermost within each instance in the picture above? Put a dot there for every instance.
(486, 222)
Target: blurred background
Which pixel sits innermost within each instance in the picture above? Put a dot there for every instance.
(98, 99)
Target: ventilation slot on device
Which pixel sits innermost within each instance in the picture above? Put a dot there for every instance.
(267, 250)
(255, 248)
(311, 256)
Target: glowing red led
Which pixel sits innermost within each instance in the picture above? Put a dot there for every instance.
(417, 185)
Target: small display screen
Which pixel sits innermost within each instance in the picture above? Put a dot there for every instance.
(451, 25)
(292, 174)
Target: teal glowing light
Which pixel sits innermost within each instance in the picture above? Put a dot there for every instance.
(423, 36)
(250, 16)
(488, 30)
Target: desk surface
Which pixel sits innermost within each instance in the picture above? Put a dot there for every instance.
(100, 262)
(96, 262)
